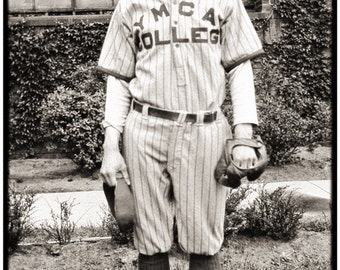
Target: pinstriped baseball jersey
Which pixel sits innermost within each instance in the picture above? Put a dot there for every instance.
(175, 53)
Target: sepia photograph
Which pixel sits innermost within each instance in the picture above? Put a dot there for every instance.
(169, 134)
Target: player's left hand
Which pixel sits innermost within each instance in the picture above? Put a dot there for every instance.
(244, 156)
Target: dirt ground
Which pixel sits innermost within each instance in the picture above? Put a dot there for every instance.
(310, 250)
(61, 175)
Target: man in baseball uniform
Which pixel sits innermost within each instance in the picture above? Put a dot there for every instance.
(168, 63)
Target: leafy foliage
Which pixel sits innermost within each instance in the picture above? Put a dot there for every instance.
(73, 115)
(40, 62)
(284, 130)
(276, 214)
(62, 228)
(271, 213)
(294, 80)
(111, 227)
(20, 207)
(318, 225)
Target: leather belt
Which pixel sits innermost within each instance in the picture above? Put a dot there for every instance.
(208, 117)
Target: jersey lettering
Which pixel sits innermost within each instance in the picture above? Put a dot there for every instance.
(140, 23)
(198, 35)
(175, 39)
(210, 16)
(158, 41)
(147, 40)
(158, 13)
(186, 8)
(214, 36)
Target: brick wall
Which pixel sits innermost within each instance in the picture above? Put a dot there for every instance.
(47, 12)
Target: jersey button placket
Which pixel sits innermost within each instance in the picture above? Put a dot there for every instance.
(177, 58)
(175, 15)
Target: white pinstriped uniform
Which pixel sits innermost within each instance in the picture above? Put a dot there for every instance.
(174, 55)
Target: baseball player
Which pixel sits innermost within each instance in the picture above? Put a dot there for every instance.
(168, 63)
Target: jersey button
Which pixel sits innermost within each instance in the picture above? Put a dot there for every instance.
(175, 2)
(177, 45)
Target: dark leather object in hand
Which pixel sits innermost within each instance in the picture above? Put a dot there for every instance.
(230, 174)
(121, 203)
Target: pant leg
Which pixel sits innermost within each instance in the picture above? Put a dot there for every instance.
(200, 199)
(145, 144)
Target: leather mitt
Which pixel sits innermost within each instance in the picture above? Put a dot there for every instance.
(121, 203)
(229, 174)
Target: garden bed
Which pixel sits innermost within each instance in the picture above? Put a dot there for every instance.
(310, 249)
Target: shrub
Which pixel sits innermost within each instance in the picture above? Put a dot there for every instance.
(235, 217)
(62, 228)
(235, 197)
(289, 116)
(318, 225)
(40, 60)
(20, 207)
(110, 226)
(283, 130)
(293, 79)
(73, 115)
(276, 214)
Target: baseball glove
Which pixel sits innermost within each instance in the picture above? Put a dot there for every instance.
(120, 201)
(229, 174)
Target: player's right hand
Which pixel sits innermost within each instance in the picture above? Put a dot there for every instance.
(113, 162)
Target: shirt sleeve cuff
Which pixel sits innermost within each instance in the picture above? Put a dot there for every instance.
(106, 124)
(245, 115)
(114, 74)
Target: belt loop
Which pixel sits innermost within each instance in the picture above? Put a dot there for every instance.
(132, 104)
(145, 111)
(200, 119)
(181, 118)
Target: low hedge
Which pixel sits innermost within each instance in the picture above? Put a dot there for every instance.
(72, 117)
(40, 61)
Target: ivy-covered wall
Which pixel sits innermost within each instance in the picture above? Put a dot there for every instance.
(49, 65)
(294, 78)
(41, 61)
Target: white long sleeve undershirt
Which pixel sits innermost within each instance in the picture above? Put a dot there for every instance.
(118, 100)
(242, 90)
(241, 84)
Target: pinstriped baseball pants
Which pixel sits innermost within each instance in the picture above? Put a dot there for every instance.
(171, 167)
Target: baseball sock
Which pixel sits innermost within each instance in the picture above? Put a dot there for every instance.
(158, 261)
(203, 262)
